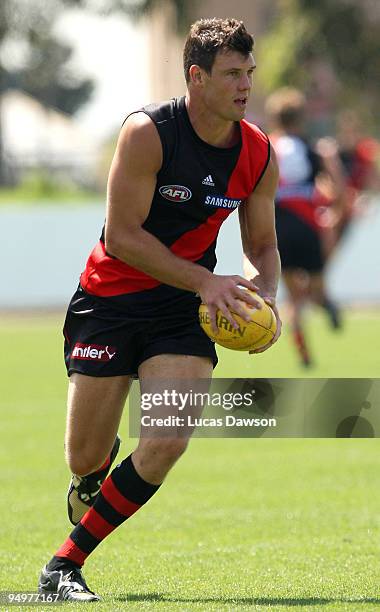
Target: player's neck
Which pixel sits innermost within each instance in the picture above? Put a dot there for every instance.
(210, 128)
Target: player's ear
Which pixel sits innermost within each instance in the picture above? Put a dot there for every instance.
(196, 74)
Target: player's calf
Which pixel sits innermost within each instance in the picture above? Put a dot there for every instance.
(154, 457)
(83, 490)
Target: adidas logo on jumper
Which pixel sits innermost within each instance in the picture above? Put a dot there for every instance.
(208, 181)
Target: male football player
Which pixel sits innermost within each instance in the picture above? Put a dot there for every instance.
(180, 168)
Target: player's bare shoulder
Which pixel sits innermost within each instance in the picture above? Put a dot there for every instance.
(132, 178)
(269, 180)
(139, 142)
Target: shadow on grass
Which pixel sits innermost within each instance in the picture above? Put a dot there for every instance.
(247, 601)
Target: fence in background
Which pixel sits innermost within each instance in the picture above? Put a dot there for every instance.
(44, 249)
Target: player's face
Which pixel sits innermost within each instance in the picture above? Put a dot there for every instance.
(227, 89)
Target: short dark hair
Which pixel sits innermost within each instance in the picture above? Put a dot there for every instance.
(208, 36)
(286, 107)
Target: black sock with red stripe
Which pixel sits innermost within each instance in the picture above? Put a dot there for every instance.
(121, 495)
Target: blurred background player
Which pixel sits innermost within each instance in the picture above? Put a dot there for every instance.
(359, 155)
(297, 203)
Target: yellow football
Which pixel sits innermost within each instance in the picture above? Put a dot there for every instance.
(250, 335)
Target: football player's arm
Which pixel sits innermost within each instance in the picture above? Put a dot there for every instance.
(331, 166)
(327, 149)
(259, 241)
(131, 186)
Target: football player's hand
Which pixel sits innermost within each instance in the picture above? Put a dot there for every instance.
(272, 303)
(225, 293)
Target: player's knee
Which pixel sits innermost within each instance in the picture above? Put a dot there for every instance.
(81, 463)
(177, 448)
(168, 451)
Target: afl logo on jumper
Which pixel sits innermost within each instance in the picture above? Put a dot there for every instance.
(175, 193)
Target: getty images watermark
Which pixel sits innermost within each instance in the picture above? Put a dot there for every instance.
(187, 403)
(253, 408)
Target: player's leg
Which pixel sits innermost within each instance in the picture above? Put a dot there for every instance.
(95, 406)
(155, 456)
(133, 482)
(293, 252)
(99, 367)
(125, 490)
(296, 282)
(94, 409)
(320, 296)
(314, 264)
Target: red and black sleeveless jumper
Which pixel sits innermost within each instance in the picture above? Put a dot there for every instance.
(198, 186)
(119, 317)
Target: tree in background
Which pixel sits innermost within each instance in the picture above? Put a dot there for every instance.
(324, 46)
(137, 9)
(331, 50)
(34, 60)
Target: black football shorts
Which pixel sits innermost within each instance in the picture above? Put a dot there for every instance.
(299, 244)
(104, 340)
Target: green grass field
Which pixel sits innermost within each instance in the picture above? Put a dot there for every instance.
(259, 524)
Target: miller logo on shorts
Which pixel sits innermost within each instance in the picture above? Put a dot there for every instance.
(93, 352)
(175, 193)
